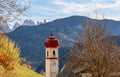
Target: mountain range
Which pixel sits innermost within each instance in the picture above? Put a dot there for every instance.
(31, 38)
(6, 29)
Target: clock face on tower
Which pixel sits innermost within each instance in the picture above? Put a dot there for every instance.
(53, 63)
(54, 66)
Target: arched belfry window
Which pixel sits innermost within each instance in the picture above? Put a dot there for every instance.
(54, 53)
(47, 53)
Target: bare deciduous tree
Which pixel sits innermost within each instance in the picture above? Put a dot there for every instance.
(95, 51)
(11, 9)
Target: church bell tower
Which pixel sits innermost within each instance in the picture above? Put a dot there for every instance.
(51, 65)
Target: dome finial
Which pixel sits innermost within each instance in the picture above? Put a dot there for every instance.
(51, 32)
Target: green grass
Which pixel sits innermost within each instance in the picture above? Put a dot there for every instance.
(19, 71)
(22, 71)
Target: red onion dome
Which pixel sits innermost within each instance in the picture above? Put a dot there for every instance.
(51, 41)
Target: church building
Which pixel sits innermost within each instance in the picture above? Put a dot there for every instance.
(51, 61)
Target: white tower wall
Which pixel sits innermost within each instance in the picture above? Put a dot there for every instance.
(52, 65)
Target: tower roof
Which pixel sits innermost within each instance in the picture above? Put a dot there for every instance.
(52, 41)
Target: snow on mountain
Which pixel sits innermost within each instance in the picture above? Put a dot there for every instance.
(16, 25)
(6, 29)
(28, 23)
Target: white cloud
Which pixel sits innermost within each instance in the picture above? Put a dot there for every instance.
(41, 8)
(69, 7)
(63, 8)
(108, 8)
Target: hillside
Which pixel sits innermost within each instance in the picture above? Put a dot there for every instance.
(20, 71)
(31, 38)
(25, 72)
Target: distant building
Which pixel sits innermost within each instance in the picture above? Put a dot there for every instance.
(68, 71)
(51, 65)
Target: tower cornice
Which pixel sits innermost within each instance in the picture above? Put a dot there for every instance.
(52, 58)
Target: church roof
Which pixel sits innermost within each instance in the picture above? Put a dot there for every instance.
(52, 41)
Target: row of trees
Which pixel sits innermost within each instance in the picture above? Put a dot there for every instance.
(96, 51)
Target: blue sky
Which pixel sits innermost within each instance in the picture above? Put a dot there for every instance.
(54, 9)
